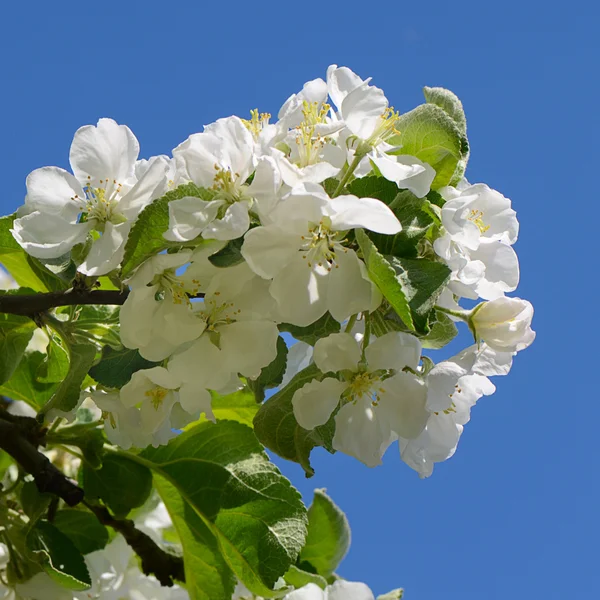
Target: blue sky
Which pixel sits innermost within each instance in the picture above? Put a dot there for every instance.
(515, 512)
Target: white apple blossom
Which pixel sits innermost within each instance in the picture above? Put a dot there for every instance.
(453, 387)
(303, 252)
(378, 400)
(222, 159)
(504, 324)
(480, 227)
(102, 198)
(369, 120)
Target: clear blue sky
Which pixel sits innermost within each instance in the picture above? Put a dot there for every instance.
(515, 513)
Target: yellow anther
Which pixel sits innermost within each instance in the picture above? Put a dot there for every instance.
(476, 216)
(157, 395)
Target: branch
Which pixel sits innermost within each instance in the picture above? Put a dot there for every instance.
(32, 304)
(166, 567)
(19, 437)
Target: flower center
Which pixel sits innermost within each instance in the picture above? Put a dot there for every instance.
(365, 384)
(101, 202)
(256, 123)
(309, 144)
(385, 128)
(156, 395)
(180, 291)
(229, 188)
(320, 245)
(476, 216)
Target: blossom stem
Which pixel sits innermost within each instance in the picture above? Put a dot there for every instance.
(350, 323)
(463, 315)
(353, 165)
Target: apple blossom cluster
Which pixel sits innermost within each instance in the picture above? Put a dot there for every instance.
(281, 225)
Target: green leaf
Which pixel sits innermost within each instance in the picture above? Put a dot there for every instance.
(121, 483)
(393, 595)
(228, 256)
(23, 385)
(422, 281)
(207, 574)
(443, 331)
(33, 502)
(82, 528)
(56, 364)
(430, 134)
(88, 437)
(55, 274)
(323, 327)
(384, 277)
(299, 578)
(328, 538)
(271, 375)
(146, 236)
(66, 397)
(100, 322)
(449, 102)
(374, 186)
(276, 427)
(240, 406)
(117, 366)
(412, 212)
(225, 478)
(58, 556)
(15, 333)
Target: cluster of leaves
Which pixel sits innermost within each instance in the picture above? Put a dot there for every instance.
(235, 516)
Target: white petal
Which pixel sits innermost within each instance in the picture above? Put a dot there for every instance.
(407, 172)
(349, 590)
(501, 269)
(299, 357)
(362, 109)
(337, 352)
(349, 290)
(394, 350)
(360, 431)
(268, 250)
(48, 236)
(107, 251)
(54, 191)
(348, 212)
(310, 591)
(314, 402)
(265, 185)
(403, 404)
(106, 151)
(301, 292)
(248, 346)
(233, 225)
(196, 399)
(340, 82)
(442, 384)
(189, 216)
(149, 187)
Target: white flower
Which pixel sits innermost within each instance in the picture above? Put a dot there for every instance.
(379, 401)
(454, 386)
(340, 590)
(220, 158)
(239, 333)
(504, 324)
(365, 112)
(157, 317)
(303, 253)
(103, 196)
(480, 226)
(299, 357)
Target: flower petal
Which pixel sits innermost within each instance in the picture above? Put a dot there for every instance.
(348, 212)
(189, 216)
(337, 352)
(315, 401)
(107, 151)
(51, 190)
(107, 251)
(394, 350)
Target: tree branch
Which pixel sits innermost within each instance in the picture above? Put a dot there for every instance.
(19, 437)
(32, 304)
(166, 567)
